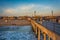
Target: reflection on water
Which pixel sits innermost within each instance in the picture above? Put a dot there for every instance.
(16, 33)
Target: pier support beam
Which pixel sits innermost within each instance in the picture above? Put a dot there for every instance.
(36, 30)
(38, 34)
(44, 36)
(48, 38)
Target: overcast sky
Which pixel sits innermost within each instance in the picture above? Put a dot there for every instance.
(27, 7)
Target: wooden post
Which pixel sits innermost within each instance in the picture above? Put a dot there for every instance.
(44, 36)
(38, 34)
(48, 38)
(36, 30)
(33, 26)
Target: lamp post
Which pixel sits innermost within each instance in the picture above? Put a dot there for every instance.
(34, 13)
(52, 12)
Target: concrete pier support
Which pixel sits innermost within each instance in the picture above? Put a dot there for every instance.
(38, 34)
(48, 38)
(36, 30)
(44, 36)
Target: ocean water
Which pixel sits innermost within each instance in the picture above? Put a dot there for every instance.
(25, 32)
(17, 33)
(55, 27)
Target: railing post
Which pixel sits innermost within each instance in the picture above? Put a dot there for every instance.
(38, 34)
(44, 36)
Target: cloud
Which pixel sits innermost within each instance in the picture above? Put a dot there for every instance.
(27, 9)
(43, 7)
(9, 10)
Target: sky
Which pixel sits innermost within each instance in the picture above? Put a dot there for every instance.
(27, 7)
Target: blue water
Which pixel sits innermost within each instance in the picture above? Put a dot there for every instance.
(16, 33)
(55, 27)
(25, 32)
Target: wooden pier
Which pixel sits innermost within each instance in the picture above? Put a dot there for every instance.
(37, 28)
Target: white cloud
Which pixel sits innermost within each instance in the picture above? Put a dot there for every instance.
(27, 8)
(9, 10)
(43, 7)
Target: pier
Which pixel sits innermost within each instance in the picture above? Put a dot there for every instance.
(37, 28)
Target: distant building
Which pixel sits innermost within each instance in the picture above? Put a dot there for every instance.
(5, 17)
(12, 17)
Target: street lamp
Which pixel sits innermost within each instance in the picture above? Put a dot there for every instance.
(52, 12)
(34, 13)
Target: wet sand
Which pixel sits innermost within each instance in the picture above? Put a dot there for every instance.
(14, 22)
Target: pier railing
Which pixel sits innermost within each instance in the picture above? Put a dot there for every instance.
(37, 28)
